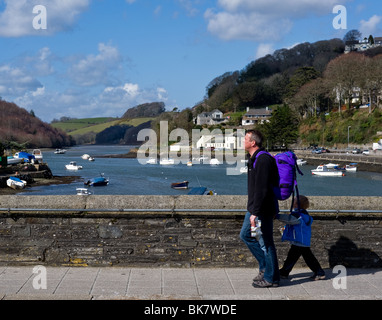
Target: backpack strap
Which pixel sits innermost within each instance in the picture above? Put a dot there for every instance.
(259, 154)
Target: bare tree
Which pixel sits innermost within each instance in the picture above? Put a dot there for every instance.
(345, 73)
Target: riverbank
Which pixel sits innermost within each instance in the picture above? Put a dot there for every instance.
(35, 175)
(55, 180)
(370, 163)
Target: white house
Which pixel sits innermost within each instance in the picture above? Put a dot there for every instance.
(219, 142)
(362, 45)
(210, 118)
(256, 116)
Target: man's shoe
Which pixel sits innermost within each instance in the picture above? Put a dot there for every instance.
(259, 277)
(264, 284)
(317, 277)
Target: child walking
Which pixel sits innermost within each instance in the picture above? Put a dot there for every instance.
(298, 232)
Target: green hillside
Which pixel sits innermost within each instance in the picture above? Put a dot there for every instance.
(78, 124)
(77, 127)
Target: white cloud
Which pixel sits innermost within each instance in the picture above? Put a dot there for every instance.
(40, 64)
(263, 50)
(17, 18)
(14, 81)
(370, 26)
(54, 87)
(189, 6)
(262, 20)
(246, 26)
(96, 69)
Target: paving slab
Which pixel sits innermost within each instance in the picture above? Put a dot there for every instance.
(114, 283)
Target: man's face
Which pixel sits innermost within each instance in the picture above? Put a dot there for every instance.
(248, 143)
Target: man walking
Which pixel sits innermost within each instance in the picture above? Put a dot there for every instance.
(262, 206)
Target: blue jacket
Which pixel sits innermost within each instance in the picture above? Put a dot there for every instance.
(298, 227)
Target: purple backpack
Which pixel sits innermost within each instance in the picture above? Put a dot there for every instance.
(287, 166)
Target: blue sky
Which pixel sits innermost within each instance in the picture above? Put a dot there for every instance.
(99, 58)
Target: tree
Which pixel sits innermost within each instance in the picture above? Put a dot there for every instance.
(282, 128)
(345, 73)
(352, 35)
(302, 76)
(310, 98)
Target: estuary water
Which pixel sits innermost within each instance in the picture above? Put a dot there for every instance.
(129, 177)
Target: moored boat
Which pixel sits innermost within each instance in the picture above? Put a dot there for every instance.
(214, 162)
(151, 161)
(83, 192)
(37, 154)
(24, 155)
(97, 182)
(60, 151)
(180, 185)
(325, 171)
(16, 183)
(352, 167)
(301, 162)
(73, 166)
(13, 160)
(167, 161)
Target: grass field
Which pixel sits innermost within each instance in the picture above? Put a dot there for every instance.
(82, 126)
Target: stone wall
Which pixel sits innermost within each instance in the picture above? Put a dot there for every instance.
(173, 231)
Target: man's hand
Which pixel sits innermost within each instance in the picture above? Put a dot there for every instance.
(252, 220)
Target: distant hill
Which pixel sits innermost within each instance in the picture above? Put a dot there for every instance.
(103, 130)
(269, 80)
(73, 124)
(23, 127)
(121, 134)
(145, 110)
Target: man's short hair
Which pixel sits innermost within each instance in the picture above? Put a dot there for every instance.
(257, 136)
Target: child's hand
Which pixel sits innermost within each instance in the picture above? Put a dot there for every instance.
(296, 214)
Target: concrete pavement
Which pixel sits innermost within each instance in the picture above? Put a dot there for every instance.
(117, 283)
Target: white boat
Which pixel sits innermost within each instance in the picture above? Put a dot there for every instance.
(214, 162)
(151, 161)
(27, 157)
(60, 151)
(13, 160)
(201, 160)
(73, 166)
(352, 167)
(331, 165)
(301, 162)
(37, 154)
(168, 161)
(85, 156)
(83, 192)
(91, 159)
(325, 171)
(244, 169)
(16, 183)
(189, 163)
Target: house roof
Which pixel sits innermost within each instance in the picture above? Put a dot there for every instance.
(208, 114)
(258, 112)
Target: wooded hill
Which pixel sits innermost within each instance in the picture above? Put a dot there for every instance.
(122, 130)
(307, 83)
(303, 83)
(18, 126)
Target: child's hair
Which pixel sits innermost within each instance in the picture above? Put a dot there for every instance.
(304, 202)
